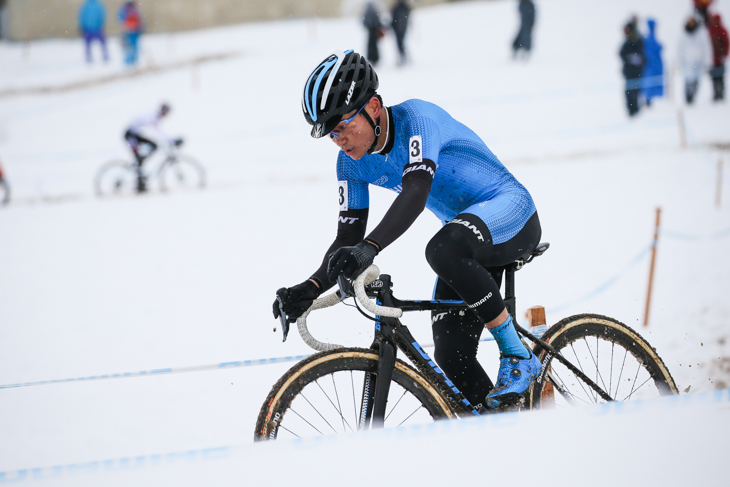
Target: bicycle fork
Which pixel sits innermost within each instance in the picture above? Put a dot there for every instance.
(376, 388)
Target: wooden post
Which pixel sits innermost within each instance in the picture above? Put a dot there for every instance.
(718, 189)
(651, 268)
(536, 317)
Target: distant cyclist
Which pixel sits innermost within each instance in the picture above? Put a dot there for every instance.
(140, 135)
(489, 219)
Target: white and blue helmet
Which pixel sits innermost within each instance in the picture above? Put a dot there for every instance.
(343, 82)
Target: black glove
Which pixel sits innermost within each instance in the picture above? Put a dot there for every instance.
(351, 261)
(296, 299)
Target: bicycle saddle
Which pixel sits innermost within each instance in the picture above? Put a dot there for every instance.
(538, 251)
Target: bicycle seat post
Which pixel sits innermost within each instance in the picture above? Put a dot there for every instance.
(510, 301)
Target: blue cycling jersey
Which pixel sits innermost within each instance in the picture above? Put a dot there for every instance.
(468, 177)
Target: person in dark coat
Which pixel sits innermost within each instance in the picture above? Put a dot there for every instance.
(524, 35)
(652, 79)
(399, 23)
(720, 48)
(632, 55)
(371, 21)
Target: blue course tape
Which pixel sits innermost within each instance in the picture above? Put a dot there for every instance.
(688, 237)
(173, 459)
(168, 370)
(537, 331)
(610, 282)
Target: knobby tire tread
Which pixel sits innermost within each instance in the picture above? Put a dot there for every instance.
(579, 326)
(295, 379)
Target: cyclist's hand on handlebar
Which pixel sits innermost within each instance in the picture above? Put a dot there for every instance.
(296, 299)
(351, 261)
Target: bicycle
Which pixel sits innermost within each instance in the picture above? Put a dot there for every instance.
(313, 397)
(176, 171)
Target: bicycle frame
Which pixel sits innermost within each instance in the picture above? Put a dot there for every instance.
(391, 334)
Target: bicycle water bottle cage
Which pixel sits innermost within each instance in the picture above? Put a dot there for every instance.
(283, 319)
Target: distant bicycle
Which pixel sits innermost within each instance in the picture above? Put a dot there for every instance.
(177, 171)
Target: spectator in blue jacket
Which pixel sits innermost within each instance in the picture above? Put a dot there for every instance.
(92, 16)
(131, 19)
(652, 79)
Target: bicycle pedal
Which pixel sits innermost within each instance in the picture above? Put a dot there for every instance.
(509, 404)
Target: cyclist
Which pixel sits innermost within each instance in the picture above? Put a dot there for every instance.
(489, 219)
(139, 134)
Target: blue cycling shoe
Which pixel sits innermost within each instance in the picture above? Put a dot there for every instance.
(515, 376)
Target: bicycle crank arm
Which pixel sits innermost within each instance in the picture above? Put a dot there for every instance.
(545, 346)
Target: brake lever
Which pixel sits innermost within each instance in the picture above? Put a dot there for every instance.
(282, 318)
(346, 289)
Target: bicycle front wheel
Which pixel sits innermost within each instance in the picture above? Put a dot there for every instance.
(610, 353)
(323, 395)
(181, 172)
(116, 178)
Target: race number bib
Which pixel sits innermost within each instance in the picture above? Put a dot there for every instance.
(343, 195)
(415, 149)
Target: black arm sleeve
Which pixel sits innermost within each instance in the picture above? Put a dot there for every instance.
(417, 179)
(350, 231)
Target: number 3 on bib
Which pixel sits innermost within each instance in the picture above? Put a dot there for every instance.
(343, 195)
(415, 149)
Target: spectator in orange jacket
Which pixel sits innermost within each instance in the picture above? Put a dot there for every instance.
(720, 48)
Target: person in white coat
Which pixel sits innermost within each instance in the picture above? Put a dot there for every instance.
(694, 56)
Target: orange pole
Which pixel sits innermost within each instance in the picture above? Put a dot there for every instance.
(651, 268)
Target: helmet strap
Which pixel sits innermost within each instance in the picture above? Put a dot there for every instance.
(376, 129)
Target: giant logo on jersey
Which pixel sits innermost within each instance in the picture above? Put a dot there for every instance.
(470, 226)
(421, 167)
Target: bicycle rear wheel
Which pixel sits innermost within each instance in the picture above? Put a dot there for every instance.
(181, 172)
(610, 353)
(323, 395)
(116, 178)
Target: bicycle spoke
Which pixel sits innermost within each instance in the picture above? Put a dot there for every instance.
(610, 377)
(303, 419)
(633, 385)
(580, 382)
(409, 416)
(636, 389)
(598, 369)
(567, 390)
(354, 402)
(395, 405)
(290, 431)
(337, 408)
(317, 411)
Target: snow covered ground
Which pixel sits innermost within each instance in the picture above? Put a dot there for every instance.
(93, 287)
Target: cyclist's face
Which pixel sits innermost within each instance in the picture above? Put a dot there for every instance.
(356, 137)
